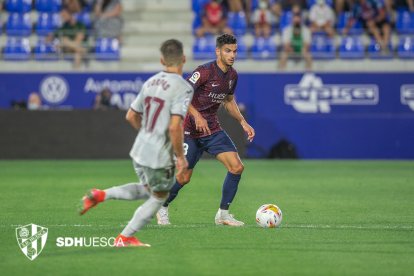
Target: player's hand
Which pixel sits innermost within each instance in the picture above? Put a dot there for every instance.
(181, 165)
(249, 131)
(202, 125)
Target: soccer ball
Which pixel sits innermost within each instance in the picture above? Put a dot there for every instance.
(269, 216)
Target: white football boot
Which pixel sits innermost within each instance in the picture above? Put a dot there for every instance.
(224, 218)
(162, 216)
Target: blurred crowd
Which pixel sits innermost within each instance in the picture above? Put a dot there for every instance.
(65, 25)
(298, 20)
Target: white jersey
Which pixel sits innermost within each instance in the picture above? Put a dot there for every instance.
(161, 96)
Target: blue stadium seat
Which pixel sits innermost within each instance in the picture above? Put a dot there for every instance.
(45, 51)
(313, 2)
(84, 18)
(351, 47)
(197, 5)
(47, 23)
(19, 6)
(19, 24)
(204, 48)
(263, 48)
(48, 5)
(342, 21)
(16, 48)
(405, 22)
(285, 20)
(375, 52)
(196, 22)
(107, 49)
(242, 50)
(405, 49)
(237, 22)
(322, 47)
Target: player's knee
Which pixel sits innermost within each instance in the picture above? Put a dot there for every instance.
(237, 169)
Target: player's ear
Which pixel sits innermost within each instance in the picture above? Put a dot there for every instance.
(162, 61)
(184, 59)
(217, 51)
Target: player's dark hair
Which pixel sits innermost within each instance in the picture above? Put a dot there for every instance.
(172, 51)
(225, 39)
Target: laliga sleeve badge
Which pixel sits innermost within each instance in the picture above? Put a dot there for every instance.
(194, 78)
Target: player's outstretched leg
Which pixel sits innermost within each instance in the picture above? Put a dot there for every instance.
(141, 217)
(130, 191)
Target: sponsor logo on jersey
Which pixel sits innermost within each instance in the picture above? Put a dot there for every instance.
(194, 77)
(312, 96)
(31, 239)
(54, 89)
(407, 95)
(217, 97)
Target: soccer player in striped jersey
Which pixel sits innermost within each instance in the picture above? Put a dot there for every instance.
(214, 84)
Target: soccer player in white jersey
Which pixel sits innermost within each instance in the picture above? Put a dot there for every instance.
(157, 113)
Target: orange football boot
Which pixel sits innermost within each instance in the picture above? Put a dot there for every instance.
(122, 241)
(91, 199)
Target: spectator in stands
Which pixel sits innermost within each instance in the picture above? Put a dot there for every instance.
(296, 39)
(343, 6)
(214, 20)
(71, 38)
(399, 5)
(322, 18)
(287, 5)
(233, 5)
(103, 100)
(372, 15)
(262, 20)
(73, 6)
(34, 101)
(108, 19)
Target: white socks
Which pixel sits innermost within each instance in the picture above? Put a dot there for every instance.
(143, 215)
(130, 191)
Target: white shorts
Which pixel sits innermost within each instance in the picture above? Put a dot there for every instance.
(158, 180)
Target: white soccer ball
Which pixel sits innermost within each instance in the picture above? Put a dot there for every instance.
(269, 216)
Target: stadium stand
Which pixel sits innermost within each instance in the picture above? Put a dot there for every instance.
(146, 25)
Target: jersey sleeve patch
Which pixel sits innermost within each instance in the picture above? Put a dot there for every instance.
(194, 77)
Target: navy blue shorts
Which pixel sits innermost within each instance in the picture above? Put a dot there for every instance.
(213, 144)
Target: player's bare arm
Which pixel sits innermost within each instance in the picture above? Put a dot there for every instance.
(134, 118)
(232, 108)
(201, 123)
(176, 132)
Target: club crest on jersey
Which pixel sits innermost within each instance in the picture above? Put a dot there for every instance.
(194, 78)
(31, 239)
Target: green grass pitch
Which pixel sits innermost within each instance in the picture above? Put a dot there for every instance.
(340, 218)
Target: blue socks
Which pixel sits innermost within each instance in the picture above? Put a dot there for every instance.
(230, 186)
(229, 190)
(173, 193)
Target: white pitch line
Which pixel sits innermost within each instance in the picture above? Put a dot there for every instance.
(304, 226)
